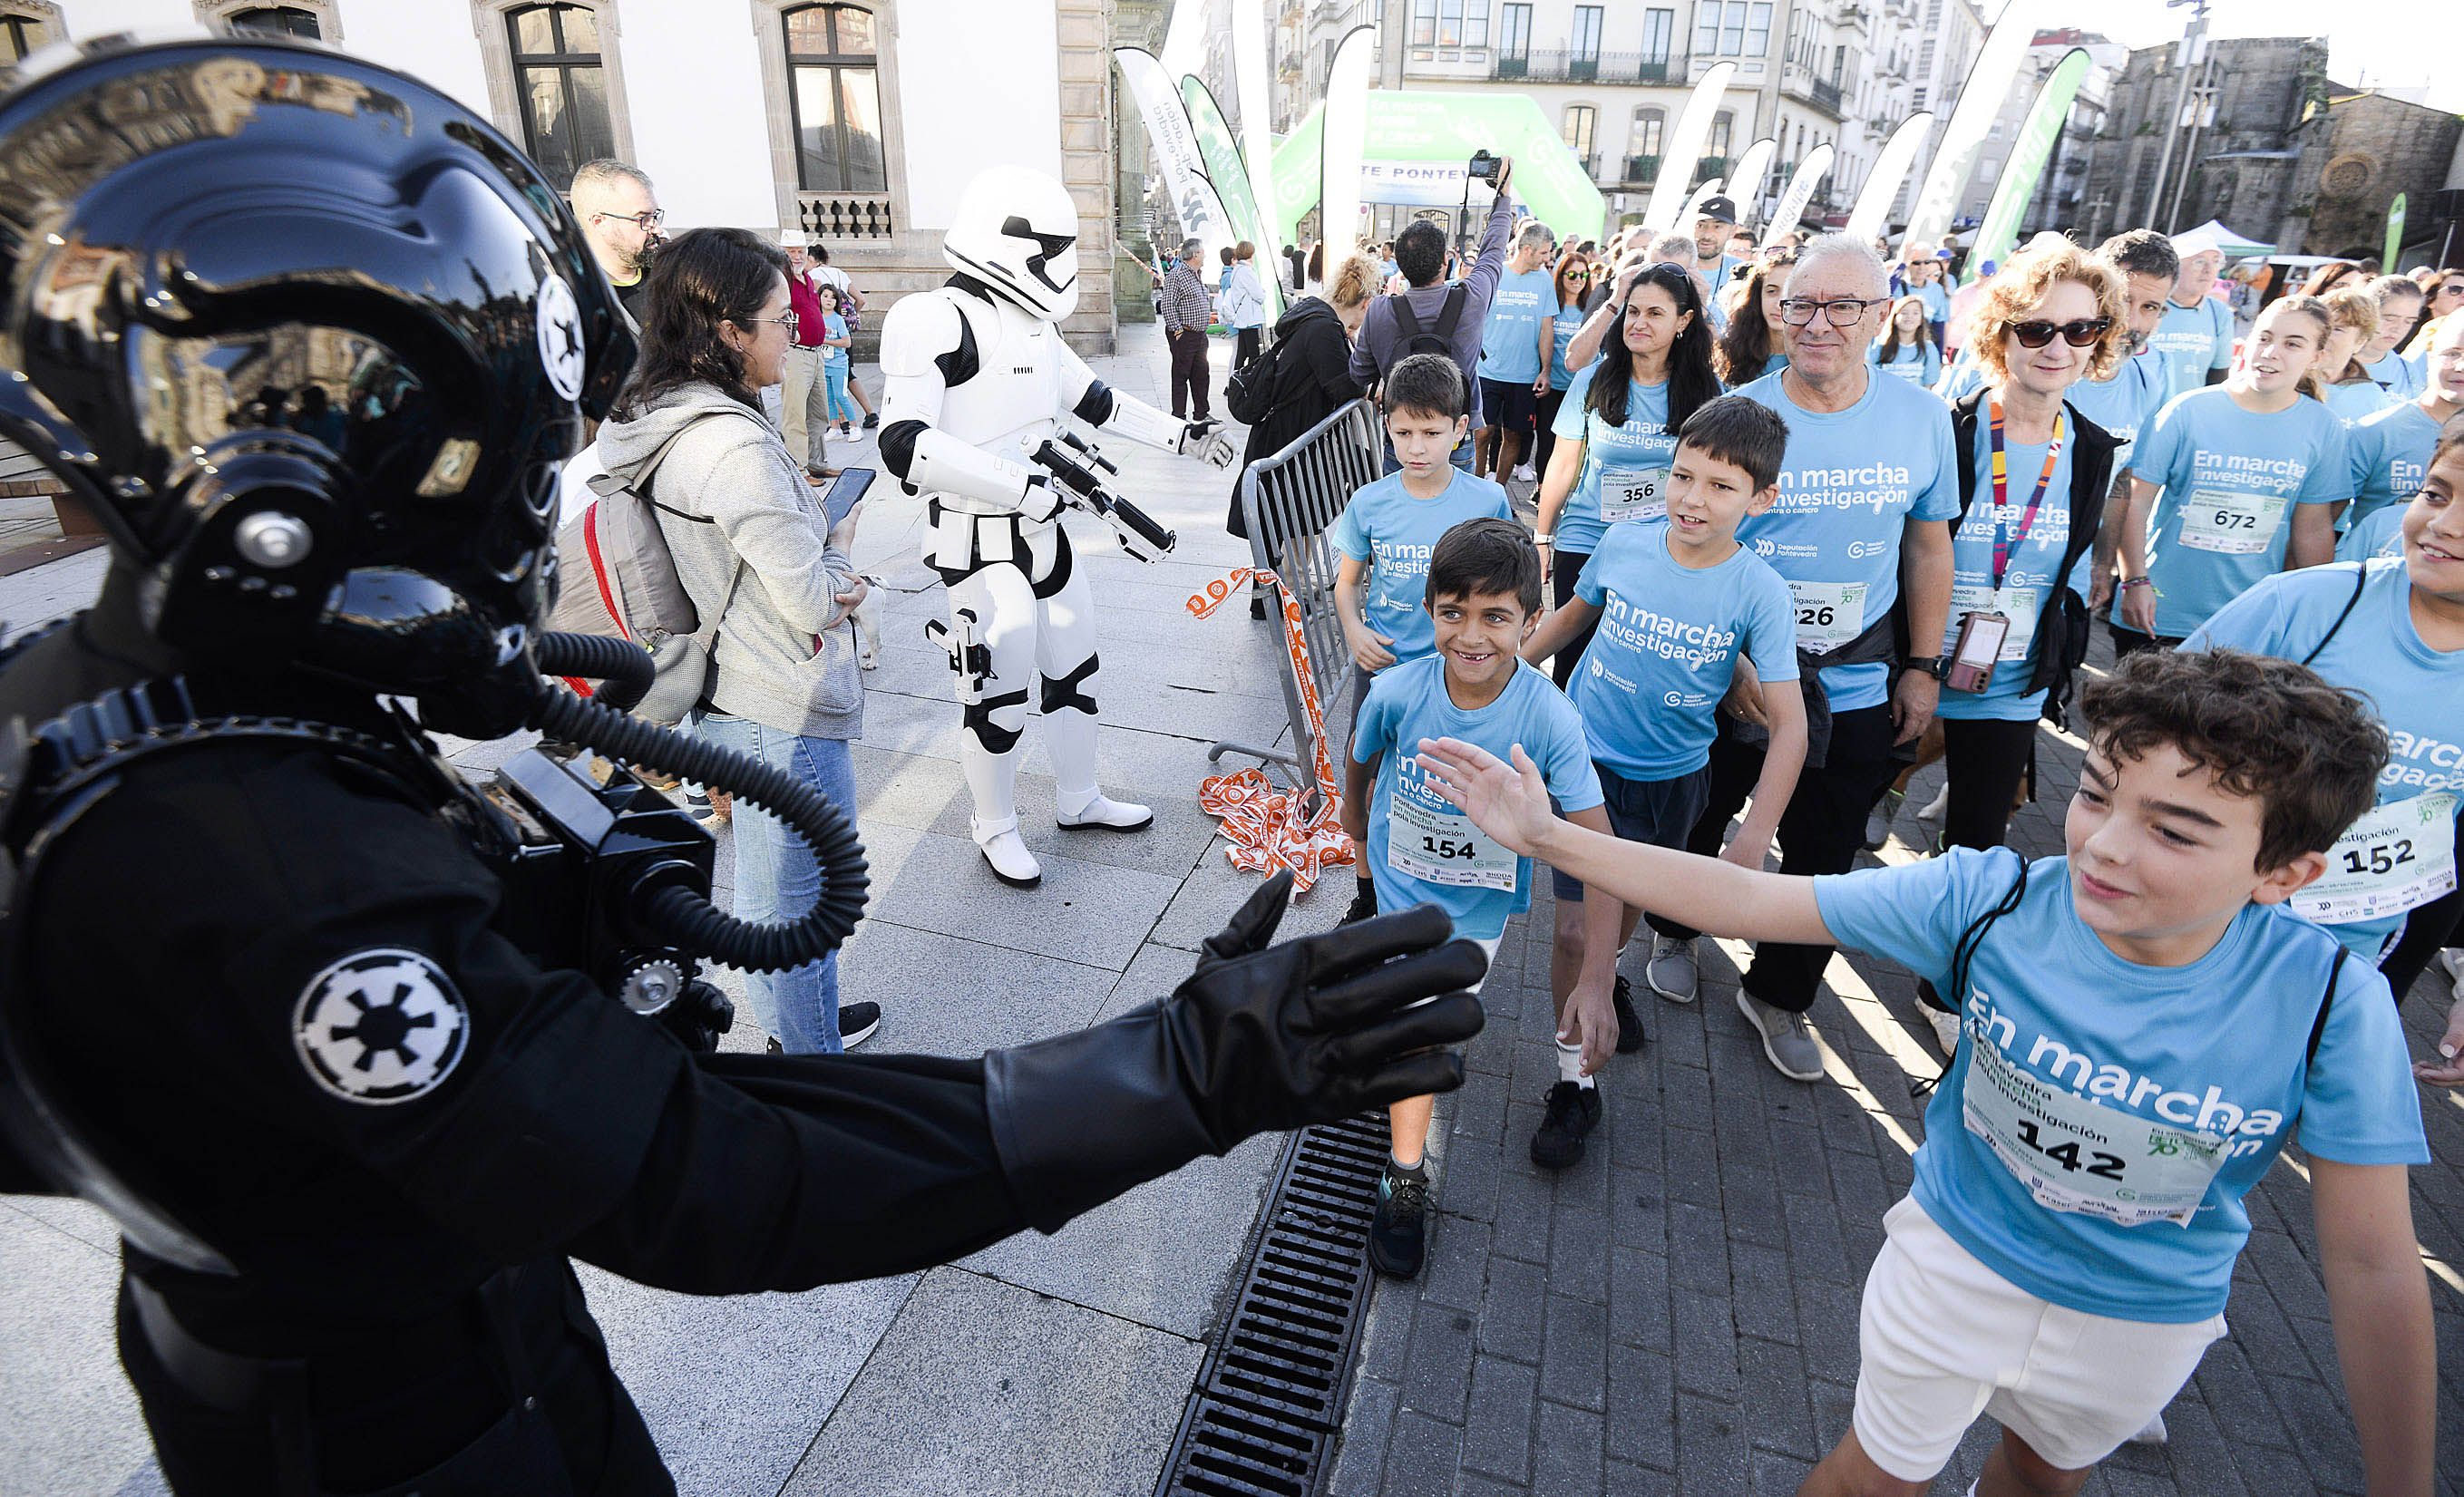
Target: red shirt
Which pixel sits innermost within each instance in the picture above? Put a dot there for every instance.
(810, 329)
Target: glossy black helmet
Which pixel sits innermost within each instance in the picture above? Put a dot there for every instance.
(311, 339)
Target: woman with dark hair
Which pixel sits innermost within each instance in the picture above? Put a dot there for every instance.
(1616, 430)
(1574, 280)
(1753, 344)
(771, 580)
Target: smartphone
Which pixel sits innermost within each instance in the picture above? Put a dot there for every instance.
(1980, 645)
(845, 490)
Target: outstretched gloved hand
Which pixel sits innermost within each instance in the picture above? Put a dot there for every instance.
(1205, 440)
(1258, 1038)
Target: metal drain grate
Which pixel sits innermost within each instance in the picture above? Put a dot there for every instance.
(1263, 1417)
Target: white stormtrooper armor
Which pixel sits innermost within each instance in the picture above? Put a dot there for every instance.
(974, 375)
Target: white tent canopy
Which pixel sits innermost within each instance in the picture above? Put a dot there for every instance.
(2235, 246)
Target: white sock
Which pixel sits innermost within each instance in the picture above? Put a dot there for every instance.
(1569, 1066)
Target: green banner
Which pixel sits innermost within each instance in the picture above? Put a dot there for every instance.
(1999, 233)
(1449, 127)
(1231, 180)
(2394, 236)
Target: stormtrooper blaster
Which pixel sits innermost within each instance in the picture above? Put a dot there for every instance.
(1078, 472)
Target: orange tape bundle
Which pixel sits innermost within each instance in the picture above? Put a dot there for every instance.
(1267, 827)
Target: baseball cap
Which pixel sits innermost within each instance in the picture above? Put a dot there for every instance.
(1718, 209)
(2195, 242)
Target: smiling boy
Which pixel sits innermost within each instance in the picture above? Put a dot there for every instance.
(1484, 598)
(2145, 1024)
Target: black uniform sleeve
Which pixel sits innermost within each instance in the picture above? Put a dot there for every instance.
(562, 1122)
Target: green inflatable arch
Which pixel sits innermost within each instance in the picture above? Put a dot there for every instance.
(1414, 126)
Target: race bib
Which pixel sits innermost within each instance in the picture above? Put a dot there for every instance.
(1446, 848)
(2397, 857)
(2077, 1156)
(2230, 524)
(1633, 493)
(2018, 604)
(1828, 614)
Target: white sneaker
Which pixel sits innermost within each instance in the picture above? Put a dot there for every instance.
(1102, 813)
(1946, 1030)
(1006, 853)
(1935, 809)
(1523, 473)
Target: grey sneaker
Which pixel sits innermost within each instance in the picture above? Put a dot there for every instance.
(1787, 1038)
(1670, 972)
(1878, 821)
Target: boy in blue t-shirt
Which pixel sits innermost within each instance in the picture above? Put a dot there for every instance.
(1484, 595)
(1391, 525)
(2145, 1021)
(1675, 602)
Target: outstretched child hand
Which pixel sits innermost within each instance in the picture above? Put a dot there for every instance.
(1591, 1023)
(1508, 802)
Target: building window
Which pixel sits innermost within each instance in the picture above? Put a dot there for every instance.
(1514, 34)
(835, 84)
(1455, 26)
(1581, 121)
(1587, 34)
(1732, 28)
(562, 85)
(1649, 123)
(281, 20)
(1723, 128)
(1658, 27)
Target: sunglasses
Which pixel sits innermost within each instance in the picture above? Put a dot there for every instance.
(2082, 333)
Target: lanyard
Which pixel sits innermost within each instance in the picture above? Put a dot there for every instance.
(2003, 539)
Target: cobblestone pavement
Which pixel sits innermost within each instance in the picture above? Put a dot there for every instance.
(1678, 1313)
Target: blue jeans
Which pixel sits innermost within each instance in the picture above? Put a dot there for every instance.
(777, 878)
(834, 383)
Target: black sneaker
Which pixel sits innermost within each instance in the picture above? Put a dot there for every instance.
(1398, 1234)
(1630, 1035)
(1364, 905)
(1573, 1111)
(857, 1022)
(871, 420)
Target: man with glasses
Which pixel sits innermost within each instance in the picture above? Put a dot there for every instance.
(1865, 499)
(619, 217)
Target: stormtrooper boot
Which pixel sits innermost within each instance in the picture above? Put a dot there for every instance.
(1092, 810)
(1006, 853)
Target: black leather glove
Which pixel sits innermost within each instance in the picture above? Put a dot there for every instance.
(1258, 1038)
(700, 1014)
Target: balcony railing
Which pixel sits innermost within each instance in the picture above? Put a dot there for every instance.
(1641, 170)
(1561, 66)
(842, 216)
(1812, 90)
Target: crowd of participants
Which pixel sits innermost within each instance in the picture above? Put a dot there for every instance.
(1805, 516)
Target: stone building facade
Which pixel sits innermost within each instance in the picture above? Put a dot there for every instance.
(2261, 102)
(2373, 149)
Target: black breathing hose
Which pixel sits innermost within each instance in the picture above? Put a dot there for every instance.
(624, 672)
(681, 916)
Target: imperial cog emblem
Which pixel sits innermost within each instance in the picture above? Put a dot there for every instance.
(560, 335)
(381, 1027)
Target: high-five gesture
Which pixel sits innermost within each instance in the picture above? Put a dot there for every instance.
(1508, 802)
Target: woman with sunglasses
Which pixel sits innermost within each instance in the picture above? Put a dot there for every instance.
(2033, 480)
(2444, 296)
(2237, 482)
(768, 574)
(1574, 273)
(1616, 427)
(1756, 341)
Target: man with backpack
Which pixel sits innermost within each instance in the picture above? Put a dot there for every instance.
(1432, 315)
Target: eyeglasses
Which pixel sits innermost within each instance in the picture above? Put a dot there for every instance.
(788, 320)
(2082, 333)
(1798, 313)
(649, 218)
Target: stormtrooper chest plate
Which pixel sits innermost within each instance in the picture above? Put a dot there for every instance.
(1014, 396)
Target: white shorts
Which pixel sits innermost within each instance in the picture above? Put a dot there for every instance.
(1487, 948)
(1943, 1338)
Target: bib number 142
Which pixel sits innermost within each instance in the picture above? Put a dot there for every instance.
(2068, 1154)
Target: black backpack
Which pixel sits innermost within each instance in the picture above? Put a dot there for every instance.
(1249, 395)
(1411, 339)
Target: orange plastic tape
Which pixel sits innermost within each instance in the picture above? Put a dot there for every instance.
(1267, 827)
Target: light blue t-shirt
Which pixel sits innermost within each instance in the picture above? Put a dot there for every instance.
(1936, 297)
(2398, 378)
(2387, 454)
(1851, 481)
(2215, 1047)
(2380, 535)
(1408, 702)
(2230, 479)
(1715, 306)
(2417, 690)
(2353, 402)
(1570, 321)
(2125, 405)
(2030, 585)
(2192, 341)
(1394, 533)
(1637, 453)
(837, 324)
(1918, 363)
(1667, 647)
(1510, 343)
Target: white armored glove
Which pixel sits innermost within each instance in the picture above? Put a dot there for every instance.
(1041, 499)
(1205, 440)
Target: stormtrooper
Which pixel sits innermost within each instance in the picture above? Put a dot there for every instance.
(974, 375)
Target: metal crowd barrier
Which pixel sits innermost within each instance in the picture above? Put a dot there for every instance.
(1290, 500)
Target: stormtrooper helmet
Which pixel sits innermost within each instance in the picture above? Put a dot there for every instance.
(1016, 231)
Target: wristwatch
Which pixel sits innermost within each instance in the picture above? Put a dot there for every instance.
(1929, 665)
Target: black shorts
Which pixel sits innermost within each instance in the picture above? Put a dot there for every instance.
(1508, 405)
(1658, 812)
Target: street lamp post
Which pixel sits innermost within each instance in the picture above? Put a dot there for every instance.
(2191, 56)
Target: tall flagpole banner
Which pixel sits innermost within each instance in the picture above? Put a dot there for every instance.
(1184, 39)
(1872, 215)
(2394, 235)
(2037, 137)
(1685, 149)
(1801, 191)
(1347, 129)
(1176, 147)
(1257, 139)
(1980, 101)
(1230, 181)
(1745, 183)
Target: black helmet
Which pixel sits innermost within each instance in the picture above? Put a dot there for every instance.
(311, 339)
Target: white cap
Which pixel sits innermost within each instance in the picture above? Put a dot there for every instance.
(2196, 242)
(793, 240)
